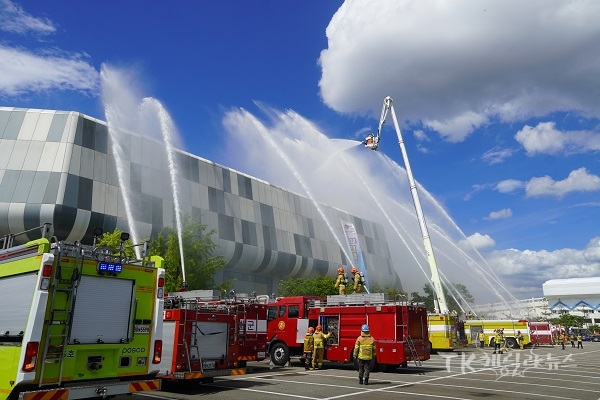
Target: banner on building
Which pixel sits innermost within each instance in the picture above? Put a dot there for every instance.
(354, 246)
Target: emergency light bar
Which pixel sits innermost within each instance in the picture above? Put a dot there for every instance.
(109, 267)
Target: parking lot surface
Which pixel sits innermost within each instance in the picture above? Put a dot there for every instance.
(540, 373)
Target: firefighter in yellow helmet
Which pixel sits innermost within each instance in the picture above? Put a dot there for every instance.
(319, 339)
(309, 347)
(341, 281)
(364, 351)
(359, 280)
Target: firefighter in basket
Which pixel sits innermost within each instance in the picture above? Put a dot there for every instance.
(359, 280)
(309, 347)
(342, 281)
(319, 339)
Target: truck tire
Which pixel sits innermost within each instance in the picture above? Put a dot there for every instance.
(512, 343)
(280, 354)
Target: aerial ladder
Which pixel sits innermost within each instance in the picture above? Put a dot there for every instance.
(442, 323)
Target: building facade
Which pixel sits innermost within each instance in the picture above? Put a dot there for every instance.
(60, 167)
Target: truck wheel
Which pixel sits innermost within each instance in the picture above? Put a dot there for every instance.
(511, 343)
(280, 354)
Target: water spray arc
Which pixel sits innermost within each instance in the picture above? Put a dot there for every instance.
(301, 181)
(167, 129)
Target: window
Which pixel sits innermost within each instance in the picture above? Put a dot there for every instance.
(281, 311)
(293, 311)
(271, 313)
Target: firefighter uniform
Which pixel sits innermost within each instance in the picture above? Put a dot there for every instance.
(341, 281)
(359, 280)
(499, 341)
(309, 347)
(319, 339)
(364, 351)
(520, 339)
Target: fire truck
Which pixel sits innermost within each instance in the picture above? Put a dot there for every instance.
(400, 328)
(77, 321)
(534, 333)
(442, 331)
(205, 336)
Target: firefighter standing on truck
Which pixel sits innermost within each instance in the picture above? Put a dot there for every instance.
(364, 350)
(341, 281)
(359, 280)
(309, 347)
(319, 339)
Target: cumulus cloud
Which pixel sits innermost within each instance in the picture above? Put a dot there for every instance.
(22, 71)
(546, 139)
(533, 268)
(478, 241)
(454, 68)
(496, 155)
(500, 214)
(14, 19)
(579, 180)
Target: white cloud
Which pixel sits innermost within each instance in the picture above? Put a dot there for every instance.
(478, 241)
(509, 185)
(496, 155)
(457, 128)
(546, 139)
(579, 180)
(15, 20)
(533, 268)
(22, 71)
(500, 214)
(454, 66)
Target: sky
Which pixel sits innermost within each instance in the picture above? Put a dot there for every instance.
(498, 102)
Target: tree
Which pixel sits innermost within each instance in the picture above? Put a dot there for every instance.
(320, 286)
(594, 328)
(454, 297)
(395, 294)
(200, 264)
(113, 240)
(568, 320)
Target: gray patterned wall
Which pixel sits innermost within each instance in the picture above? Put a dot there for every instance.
(58, 167)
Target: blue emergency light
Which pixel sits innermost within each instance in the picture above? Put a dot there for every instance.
(109, 267)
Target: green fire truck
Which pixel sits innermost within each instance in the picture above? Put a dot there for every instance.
(77, 321)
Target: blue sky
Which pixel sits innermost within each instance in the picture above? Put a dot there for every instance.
(498, 101)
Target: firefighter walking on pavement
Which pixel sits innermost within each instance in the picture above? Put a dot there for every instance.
(341, 281)
(319, 342)
(309, 347)
(364, 351)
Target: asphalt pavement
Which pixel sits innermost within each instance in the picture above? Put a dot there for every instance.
(469, 373)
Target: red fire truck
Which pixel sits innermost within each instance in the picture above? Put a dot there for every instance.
(400, 328)
(205, 336)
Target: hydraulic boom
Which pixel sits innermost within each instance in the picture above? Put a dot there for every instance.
(372, 142)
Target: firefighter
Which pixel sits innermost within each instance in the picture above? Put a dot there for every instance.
(341, 281)
(520, 339)
(499, 341)
(309, 347)
(364, 351)
(319, 341)
(359, 280)
(481, 337)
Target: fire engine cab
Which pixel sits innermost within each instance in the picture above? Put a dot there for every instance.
(205, 336)
(399, 328)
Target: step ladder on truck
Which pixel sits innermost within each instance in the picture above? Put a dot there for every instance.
(77, 321)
